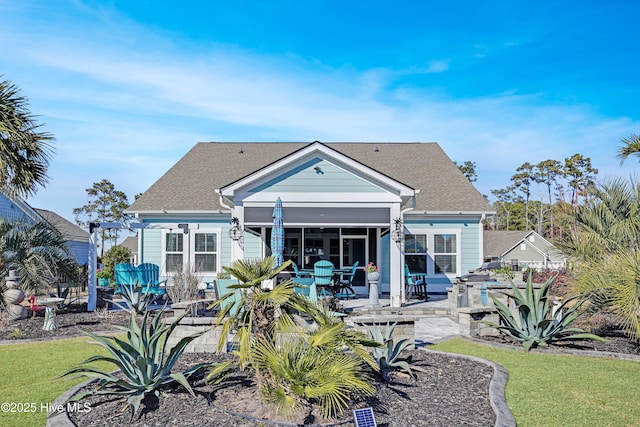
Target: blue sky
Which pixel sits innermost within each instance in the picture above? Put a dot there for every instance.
(128, 87)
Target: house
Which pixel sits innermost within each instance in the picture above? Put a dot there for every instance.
(77, 238)
(14, 208)
(389, 203)
(522, 249)
(131, 242)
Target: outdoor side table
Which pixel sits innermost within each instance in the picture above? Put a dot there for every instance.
(50, 321)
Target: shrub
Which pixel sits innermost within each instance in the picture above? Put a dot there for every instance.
(143, 360)
(114, 256)
(184, 285)
(534, 327)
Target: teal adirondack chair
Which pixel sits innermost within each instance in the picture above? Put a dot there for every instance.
(149, 279)
(125, 275)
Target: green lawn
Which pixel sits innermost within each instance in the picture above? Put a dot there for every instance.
(27, 377)
(559, 390)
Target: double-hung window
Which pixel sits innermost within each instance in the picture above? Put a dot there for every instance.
(432, 252)
(415, 250)
(197, 251)
(205, 252)
(174, 251)
(445, 251)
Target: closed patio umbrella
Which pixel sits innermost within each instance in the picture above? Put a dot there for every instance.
(277, 233)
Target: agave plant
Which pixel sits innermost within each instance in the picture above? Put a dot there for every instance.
(135, 299)
(535, 327)
(387, 353)
(141, 357)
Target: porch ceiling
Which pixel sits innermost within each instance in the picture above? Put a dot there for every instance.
(320, 216)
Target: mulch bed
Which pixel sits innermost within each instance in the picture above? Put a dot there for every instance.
(450, 391)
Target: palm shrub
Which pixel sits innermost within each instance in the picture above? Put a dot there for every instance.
(613, 284)
(295, 363)
(37, 251)
(142, 358)
(295, 374)
(534, 326)
(258, 311)
(387, 353)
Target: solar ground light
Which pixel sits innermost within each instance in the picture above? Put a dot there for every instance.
(364, 417)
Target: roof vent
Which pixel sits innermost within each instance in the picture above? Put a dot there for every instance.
(241, 150)
(376, 150)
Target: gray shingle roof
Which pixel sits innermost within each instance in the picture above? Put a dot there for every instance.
(189, 185)
(68, 229)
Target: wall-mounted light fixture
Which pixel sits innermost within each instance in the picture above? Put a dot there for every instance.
(235, 232)
(397, 232)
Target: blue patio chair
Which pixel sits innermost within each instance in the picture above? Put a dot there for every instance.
(125, 274)
(415, 286)
(223, 287)
(149, 279)
(295, 268)
(344, 286)
(323, 277)
(307, 287)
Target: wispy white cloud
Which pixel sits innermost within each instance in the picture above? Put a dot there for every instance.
(128, 113)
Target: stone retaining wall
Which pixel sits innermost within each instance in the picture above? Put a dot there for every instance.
(405, 325)
(207, 343)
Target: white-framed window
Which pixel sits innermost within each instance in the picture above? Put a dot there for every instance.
(204, 251)
(433, 252)
(173, 251)
(416, 252)
(198, 250)
(445, 253)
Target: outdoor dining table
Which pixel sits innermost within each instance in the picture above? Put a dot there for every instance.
(309, 272)
(50, 321)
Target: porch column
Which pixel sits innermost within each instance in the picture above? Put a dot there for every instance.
(237, 246)
(396, 285)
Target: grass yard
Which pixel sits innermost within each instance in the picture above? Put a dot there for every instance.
(559, 390)
(27, 377)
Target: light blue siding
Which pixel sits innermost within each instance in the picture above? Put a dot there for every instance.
(328, 177)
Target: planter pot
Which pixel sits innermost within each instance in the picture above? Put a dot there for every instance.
(103, 282)
(374, 279)
(13, 296)
(373, 276)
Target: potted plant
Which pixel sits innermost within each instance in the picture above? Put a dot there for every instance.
(104, 278)
(373, 272)
(373, 276)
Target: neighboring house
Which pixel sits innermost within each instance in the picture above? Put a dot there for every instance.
(131, 242)
(77, 238)
(522, 249)
(390, 203)
(14, 208)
